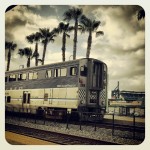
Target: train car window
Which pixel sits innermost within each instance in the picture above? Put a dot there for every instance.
(12, 77)
(33, 75)
(94, 96)
(73, 71)
(8, 99)
(83, 71)
(63, 72)
(49, 73)
(104, 76)
(97, 75)
(22, 77)
(6, 79)
(28, 101)
(24, 97)
(57, 73)
(30, 75)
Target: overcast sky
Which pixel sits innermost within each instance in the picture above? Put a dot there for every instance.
(122, 47)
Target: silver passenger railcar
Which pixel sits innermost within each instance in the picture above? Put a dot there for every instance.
(77, 85)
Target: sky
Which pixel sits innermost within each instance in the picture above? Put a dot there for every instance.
(122, 47)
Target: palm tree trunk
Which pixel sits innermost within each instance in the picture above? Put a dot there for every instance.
(63, 46)
(89, 43)
(36, 53)
(44, 51)
(75, 39)
(8, 59)
(28, 62)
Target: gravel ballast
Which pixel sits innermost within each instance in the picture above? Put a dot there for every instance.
(120, 137)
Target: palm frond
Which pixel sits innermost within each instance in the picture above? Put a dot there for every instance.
(37, 36)
(79, 11)
(98, 33)
(13, 46)
(21, 52)
(67, 15)
(28, 52)
(95, 25)
(40, 60)
(67, 35)
(81, 28)
(30, 38)
(25, 52)
(89, 25)
(141, 14)
(52, 40)
(10, 45)
(70, 28)
(73, 13)
(56, 30)
(43, 41)
(86, 23)
(44, 32)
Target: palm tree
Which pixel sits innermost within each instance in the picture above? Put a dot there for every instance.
(73, 14)
(46, 37)
(64, 28)
(26, 52)
(31, 39)
(11, 47)
(90, 26)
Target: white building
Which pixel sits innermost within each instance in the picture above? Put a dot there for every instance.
(127, 103)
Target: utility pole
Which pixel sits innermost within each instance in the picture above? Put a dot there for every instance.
(118, 90)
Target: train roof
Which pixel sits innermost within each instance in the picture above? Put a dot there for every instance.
(70, 62)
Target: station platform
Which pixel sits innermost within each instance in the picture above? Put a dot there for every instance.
(125, 118)
(17, 139)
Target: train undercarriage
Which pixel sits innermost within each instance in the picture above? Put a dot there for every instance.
(84, 114)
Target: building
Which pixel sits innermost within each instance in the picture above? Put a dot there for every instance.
(127, 102)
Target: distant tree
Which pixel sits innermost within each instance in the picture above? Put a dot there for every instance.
(46, 37)
(73, 14)
(90, 26)
(141, 14)
(27, 52)
(11, 47)
(34, 38)
(64, 29)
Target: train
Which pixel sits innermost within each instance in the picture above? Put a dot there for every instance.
(74, 87)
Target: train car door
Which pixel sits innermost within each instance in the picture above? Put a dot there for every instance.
(48, 94)
(48, 97)
(26, 99)
(94, 83)
(97, 80)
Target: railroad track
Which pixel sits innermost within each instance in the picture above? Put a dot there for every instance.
(119, 125)
(59, 138)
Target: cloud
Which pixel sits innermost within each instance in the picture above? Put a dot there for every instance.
(134, 41)
(20, 24)
(35, 7)
(52, 57)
